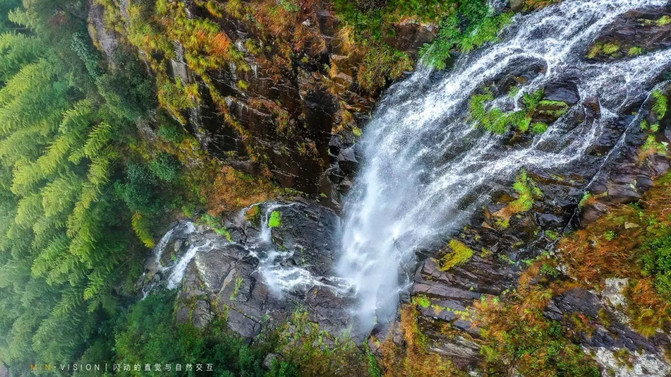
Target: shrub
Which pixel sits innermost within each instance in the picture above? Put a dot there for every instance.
(414, 359)
(316, 353)
(170, 131)
(166, 167)
(516, 335)
(139, 191)
(147, 333)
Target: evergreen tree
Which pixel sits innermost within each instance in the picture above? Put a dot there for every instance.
(64, 232)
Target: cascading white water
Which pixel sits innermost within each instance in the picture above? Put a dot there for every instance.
(274, 265)
(279, 278)
(178, 271)
(427, 169)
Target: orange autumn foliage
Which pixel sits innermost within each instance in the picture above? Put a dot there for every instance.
(610, 246)
(518, 338)
(413, 359)
(232, 189)
(648, 312)
(220, 44)
(616, 244)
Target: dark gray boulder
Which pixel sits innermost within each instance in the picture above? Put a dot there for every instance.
(259, 277)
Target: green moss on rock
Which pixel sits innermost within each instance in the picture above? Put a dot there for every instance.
(460, 254)
(275, 220)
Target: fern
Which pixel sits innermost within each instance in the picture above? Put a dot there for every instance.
(15, 51)
(98, 281)
(64, 317)
(100, 168)
(78, 118)
(83, 244)
(22, 145)
(29, 210)
(27, 176)
(26, 80)
(59, 195)
(57, 249)
(45, 229)
(141, 228)
(98, 139)
(66, 269)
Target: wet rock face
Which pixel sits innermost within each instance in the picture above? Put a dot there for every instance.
(409, 35)
(498, 255)
(629, 171)
(107, 39)
(607, 336)
(498, 251)
(517, 5)
(261, 275)
(636, 32)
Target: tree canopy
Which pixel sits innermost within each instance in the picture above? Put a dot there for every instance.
(65, 234)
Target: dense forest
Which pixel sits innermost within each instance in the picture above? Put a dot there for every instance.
(102, 149)
(80, 194)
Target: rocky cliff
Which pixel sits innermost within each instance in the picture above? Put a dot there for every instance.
(291, 104)
(291, 96)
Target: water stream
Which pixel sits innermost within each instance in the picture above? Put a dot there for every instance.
(427, 168)
(274, 265)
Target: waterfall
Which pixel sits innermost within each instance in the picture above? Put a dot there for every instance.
(427, 168)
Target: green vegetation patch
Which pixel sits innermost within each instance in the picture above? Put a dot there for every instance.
(661, 104)
(215, 223)
(147, 332)
(422, 301)
(480, 27)
(498, 121)
(664, 20)
(610, 49)
(527, 190)
(460, 254)
(275, 219)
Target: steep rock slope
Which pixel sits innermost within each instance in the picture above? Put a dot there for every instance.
(513, 264)
(278, 90)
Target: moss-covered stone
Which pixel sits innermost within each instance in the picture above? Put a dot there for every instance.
(460, 253)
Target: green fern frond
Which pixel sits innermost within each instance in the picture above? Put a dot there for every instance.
(142, 229)
(98, 139)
